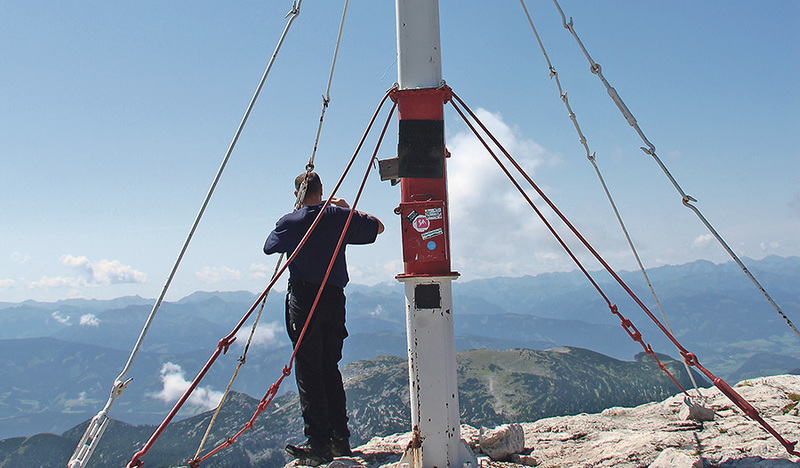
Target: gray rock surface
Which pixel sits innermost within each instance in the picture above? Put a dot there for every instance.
(655, 435)
(502, 442)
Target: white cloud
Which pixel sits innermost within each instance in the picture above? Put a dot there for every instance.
(269, 335)
(89, 320)
(17, 257)
(392, 267)
(702, 241)
(104, 272)
(57, 282)
(260, 271)
(60, 318)
(92, 274)
(218, 274)
(175, 385)
(498, 232)
(7, 283)
(768, 246)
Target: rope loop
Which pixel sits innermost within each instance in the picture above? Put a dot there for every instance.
(226, 343)
(447, 92)
(261, 407)
(120, 386)
(649, 351)
(295, 10)
(690, 359)
(309, 167)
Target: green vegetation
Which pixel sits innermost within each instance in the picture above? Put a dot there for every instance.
(498, 387)
(795, 398)
(786, 409)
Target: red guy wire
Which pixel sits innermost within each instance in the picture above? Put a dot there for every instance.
(626, 324)
(273, 390)
(690, 358)
(224, 343)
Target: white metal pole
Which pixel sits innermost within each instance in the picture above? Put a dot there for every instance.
(419, 58)
(428, 278)
(432, 376)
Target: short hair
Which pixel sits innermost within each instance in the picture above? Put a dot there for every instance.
(313, 182)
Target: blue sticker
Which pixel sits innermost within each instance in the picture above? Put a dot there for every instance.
(431, 245)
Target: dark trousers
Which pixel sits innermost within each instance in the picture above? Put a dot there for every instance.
(319, 382)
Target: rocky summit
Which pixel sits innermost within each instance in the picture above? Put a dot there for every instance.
(655, 435)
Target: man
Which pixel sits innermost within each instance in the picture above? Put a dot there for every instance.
(319, 382)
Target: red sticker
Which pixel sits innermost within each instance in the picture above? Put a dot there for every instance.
(421, 223)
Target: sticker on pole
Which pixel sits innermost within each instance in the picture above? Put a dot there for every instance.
(434, 233)
(421, 223)
(433, 213)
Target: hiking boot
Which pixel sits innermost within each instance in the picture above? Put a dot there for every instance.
(314, 455)
(341, 448)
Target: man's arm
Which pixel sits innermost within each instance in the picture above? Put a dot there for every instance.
(272, 244)
(380, 224)
(277, 240)
(342, 203)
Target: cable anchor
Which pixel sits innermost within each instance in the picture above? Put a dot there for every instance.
(119, 387)
(294, 11)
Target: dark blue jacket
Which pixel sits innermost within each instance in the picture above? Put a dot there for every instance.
(314, 257)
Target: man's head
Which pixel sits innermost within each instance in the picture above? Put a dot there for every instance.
(313, 185)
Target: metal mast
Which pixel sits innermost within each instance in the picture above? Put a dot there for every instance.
(426, 241)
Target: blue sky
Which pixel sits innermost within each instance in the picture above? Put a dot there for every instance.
(116, 117)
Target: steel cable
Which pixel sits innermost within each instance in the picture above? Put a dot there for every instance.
(651, 150)
(591, 156)
(98, 424)
(225, 342)
(272, 392)
(297, 204)
(688, 357)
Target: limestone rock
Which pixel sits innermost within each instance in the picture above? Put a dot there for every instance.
(502, 442)
(672, 458)
(651, 435)
(635, 437)
(696, 412)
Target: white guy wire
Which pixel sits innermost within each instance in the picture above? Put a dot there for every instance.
(98, 424)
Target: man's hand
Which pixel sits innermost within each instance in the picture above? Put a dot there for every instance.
(344, 204)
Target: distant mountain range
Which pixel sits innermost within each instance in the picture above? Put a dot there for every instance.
(60, 359)
(495, 387)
